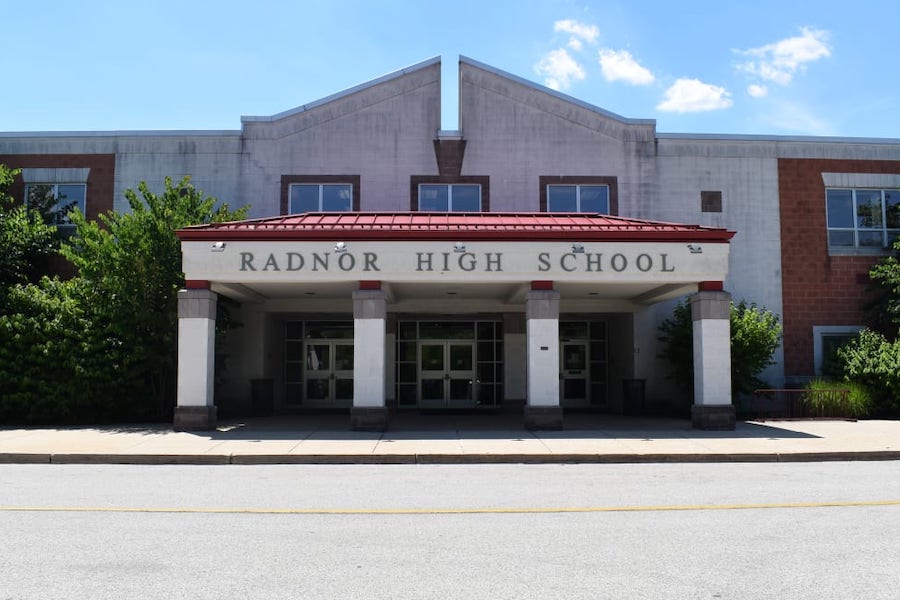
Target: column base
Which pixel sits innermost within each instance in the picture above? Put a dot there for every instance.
(543, 417)
(714, 417)
(195, 418)
(369, 418)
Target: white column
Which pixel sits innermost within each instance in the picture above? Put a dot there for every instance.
(542, 409)
(711, 312)
(369, 313)
(196, 359)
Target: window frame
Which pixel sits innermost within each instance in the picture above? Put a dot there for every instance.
(416, 181)
(611, 183)
(288, 180)
(855, 230)
(60, 220)
(820, 332)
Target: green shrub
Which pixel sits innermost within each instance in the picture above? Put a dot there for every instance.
(755, 334)
(824, 401)
(873, 361)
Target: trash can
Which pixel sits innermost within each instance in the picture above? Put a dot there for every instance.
(262, 397)
(634, 396)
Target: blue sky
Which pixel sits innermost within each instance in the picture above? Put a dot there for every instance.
(765, 67)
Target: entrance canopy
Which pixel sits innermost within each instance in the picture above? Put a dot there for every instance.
(419, 255)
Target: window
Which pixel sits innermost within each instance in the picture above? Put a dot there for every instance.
(578, 198)
(320, 197)
(319, 193)
(449, 197)
(826, 341)
(58, 200)
(862, 218)
(579, 193)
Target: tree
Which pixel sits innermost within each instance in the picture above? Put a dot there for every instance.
(755, 335)
(26, 238)
(132, 262)
(885, 309)
(103, 344)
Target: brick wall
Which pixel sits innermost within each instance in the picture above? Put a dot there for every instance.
(818, 289)
(100, 183)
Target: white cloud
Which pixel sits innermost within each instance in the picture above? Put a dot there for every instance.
(779, 62)
(692, 95)
(621, 66)
(558, 69)
(579, 31)
(757, 91)
(575, 44)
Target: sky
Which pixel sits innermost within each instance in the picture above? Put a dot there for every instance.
(766, 67)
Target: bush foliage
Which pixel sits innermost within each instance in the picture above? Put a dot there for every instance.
(873, 361)
(755, 335)
(103, 344)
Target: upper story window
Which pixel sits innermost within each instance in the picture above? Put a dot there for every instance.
(319, 193)
(862, 218)
(579, 193)
(58, 200)
(449, 197)
(578, 198)
(450, 193)
(320, 197)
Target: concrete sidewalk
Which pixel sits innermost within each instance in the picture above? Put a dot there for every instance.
(454, 439)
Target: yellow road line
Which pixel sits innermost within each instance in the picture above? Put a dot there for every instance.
(446, 511)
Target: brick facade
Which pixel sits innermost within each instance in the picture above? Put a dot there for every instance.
(818, 289)
(101, 179)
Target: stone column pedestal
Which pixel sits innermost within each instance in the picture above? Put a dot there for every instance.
(542, 410)
(196, 360)
(711, 313)
(369, 412)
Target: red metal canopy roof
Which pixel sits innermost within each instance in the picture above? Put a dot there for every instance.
(401, 226)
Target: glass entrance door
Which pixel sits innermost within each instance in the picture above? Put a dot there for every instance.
(447, 374)
(329, 374)
(573, 373)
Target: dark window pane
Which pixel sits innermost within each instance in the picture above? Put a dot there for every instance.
(892, 208)
(871, 239)
(840, 208)
(343, 389)
(562, 198)
(407, 330)
(343, 357)
(304, 198)
(840, 239)
(293, 330)
(485, 331)
(466, 198)
(337, 197)
(595, 199)
(460, 357)
(432, 357)
(868, 209)
(485, 351)
(407, 373)
(573, 330)
(407, 352)
(407, 395)
(433, 198)
(69, 198)
(294, 351)
(486, 372)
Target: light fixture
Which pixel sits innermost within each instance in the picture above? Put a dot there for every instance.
(695, 249)
(459, 247)
(218, 247)
(577, 248)
(340, 247)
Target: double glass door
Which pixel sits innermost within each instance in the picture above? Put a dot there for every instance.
(329, 373)
(447, 373)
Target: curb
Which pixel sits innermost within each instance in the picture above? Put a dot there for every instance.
(434, 459)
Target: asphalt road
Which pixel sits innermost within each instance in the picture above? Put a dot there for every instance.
(743, 531)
